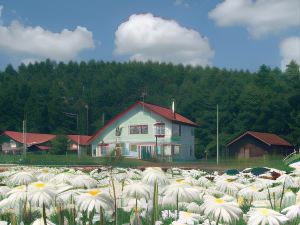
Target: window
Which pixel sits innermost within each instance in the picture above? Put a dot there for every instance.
(133, 148)
(160, 129)
(175, 149)
(191, 150)
(104, 150)
(13, 144)
(138, 129)
(176, 129)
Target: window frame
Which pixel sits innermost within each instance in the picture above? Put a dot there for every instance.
(140, 128)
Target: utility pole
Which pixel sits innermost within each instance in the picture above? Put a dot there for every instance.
(75, 115)
(87, 119)
(24, 138)
(217, 134)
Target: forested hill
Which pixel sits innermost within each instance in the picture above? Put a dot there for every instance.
(267, 100)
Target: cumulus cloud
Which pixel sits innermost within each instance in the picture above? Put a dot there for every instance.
(181, 2)
(1, 8)
(290, 50)
(261, 17)
(146, 37)
(38, 43)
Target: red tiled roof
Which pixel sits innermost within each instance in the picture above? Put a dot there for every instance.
(168, 114)
(31, 138)
(267, 138)
(164, 112)
(83, 139)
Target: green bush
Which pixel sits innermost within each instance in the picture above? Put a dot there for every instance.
(59, 145)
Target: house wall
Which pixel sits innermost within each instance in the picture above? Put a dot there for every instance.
(9, 145)
(140, 116)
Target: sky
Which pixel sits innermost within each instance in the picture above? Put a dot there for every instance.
(232, 34)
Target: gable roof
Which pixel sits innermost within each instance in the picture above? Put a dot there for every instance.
(83, 139)
(31, 138)
(267, 138)
(164, 112)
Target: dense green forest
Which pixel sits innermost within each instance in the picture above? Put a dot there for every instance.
(267, 100)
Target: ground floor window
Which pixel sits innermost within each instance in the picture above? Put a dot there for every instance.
(104, 150)
(175, 149)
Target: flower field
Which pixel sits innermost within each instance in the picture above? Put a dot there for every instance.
(31, 195)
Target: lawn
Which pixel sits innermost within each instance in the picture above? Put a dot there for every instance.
(73, 160)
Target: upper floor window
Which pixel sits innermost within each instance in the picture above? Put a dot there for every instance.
(176, 129)
(138, 129)
(159, 129)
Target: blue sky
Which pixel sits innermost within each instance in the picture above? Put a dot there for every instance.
(226, 34)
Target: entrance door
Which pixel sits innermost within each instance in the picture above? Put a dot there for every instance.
(146, 152)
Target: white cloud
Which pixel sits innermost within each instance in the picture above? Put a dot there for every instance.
(290, 50)
(145, 37)
(261, 17)
(38, 43)
(1, 8)
(181, 2)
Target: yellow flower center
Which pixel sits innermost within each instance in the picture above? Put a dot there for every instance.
(240, 201)
(219, 201)
(179, 181)
(253, 188)
(264, 212)
(45, 171)
(39, 185)
(186, 214)
(94, 192)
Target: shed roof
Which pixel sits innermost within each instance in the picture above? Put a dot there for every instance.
(30, 138)
(267, 138)
(83, 139)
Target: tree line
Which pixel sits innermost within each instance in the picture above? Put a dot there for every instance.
(79, 97)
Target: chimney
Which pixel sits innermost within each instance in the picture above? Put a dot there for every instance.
(173, 108)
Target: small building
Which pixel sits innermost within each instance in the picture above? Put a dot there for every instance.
(78, 142)
(145, 131)
(257, 144)
(12, 142)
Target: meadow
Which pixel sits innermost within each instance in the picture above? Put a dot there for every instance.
(204, 164)
(107, 195)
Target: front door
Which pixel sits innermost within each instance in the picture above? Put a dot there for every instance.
(145, 151)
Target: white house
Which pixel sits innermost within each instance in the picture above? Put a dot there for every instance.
(146, 131)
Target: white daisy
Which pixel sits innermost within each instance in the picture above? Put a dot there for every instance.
(22, 178)
(263, 216)
(154, 174)
(292, 212)
(83, 181)
(40, 194)
(94, 199)
(219, 209)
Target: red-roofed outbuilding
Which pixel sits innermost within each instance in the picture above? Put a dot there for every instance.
(12, 141)
(82, 140)
(257, 144)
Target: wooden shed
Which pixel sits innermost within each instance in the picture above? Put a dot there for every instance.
(257, 144)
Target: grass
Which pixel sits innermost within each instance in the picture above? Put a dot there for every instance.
(210, 164)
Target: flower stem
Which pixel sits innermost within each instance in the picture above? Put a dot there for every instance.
(281, 198)
(44, 214)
